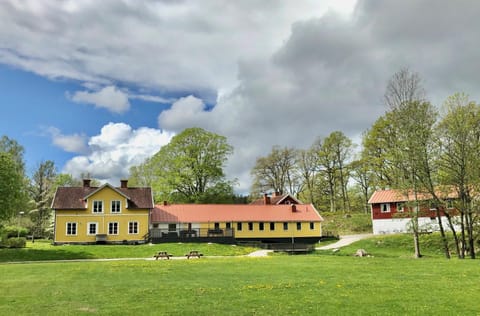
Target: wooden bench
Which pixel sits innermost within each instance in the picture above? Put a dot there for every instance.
(162, 254)
(194, 253)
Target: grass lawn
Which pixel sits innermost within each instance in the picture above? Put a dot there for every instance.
(43, 250)
(278, 285)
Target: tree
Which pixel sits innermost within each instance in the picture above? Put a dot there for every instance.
(333, 156)
(459, 135)
(42, 189)
(189, 169)
(404, 87)
(12, 193)
(277, 172)
(307, 168)
(362, 175)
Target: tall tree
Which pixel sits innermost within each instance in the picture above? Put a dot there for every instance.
(42, 189)
(13, 180)
(276, 172)
(188, 169)
(333, 156)
(307, 168)
(363, 176)
(459, 135)
(12, 191)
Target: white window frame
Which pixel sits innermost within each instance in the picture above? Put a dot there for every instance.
(400, 207)
(387, 207)
(94, 206)
(112, 225)
(136, 226)
(73, 226)
(88, 228)
(312, 225)
(112, 206)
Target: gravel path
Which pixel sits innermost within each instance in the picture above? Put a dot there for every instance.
(345, 241)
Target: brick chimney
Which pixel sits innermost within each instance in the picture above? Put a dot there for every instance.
(124, 184)
(294, 208)
(86, 183)
(165, 203)
(266, 199)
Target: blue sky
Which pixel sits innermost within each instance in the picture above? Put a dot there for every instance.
(99, 86)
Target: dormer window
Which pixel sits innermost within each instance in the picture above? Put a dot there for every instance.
(115, 207)
(97, 206)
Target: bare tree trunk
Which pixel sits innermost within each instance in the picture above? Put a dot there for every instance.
(455, 236)
(442, 234)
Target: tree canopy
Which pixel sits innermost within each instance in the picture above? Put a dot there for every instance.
(189, 169)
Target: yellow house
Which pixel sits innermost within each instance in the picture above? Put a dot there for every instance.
(104, 214)
(267, 223)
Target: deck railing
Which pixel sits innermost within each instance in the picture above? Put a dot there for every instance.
(191, 233)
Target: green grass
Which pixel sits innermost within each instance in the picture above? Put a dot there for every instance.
(341, 224)
(283, 285)
(43, 250)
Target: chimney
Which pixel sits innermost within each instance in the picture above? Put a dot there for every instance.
(86, 183)
(266, 199)
(165, 203)
(124, 184)
(294, 208)
(276, 193)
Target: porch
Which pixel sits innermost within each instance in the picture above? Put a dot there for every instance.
(160, 235)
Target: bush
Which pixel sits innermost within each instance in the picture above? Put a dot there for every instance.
(14, 231)
(15, 242)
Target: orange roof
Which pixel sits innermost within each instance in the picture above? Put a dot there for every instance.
(203, 213)
(387, 196)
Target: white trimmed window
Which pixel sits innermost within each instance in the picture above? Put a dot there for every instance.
(312, 225)
(92, 228)
(71, 229)
(285, 226)
(299, 225)
(385, 207)
(115, 206)
(98, 206)
(133, 227)
(113, 228)
(400, 207)
(272, 225)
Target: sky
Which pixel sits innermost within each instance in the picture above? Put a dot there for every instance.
(99, 86)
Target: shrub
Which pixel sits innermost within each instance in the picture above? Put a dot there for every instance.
(14, 231)
(16, 242)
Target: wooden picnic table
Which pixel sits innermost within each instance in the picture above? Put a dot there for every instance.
(162, 254)
(194, 253)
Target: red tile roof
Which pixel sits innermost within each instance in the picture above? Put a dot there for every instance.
(74, 197)
(388, 196)
(203, 213)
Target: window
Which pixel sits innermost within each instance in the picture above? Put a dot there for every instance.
(133, 227)
(285, 226)
(250, 226)
(261, 226)
(239, 226)
(312, 225)
(400, 207)
(113, 228)
(91, 228)
(71, 229)
(385, 208)
(98, 206)
(433, 206)
(228, 225)
(172, 227)
(216, 226)
(115, 207)
(299, 226)
(272, 226)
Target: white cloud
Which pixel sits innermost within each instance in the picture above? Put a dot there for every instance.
(75, 143)
(115, 150)
(108, 97)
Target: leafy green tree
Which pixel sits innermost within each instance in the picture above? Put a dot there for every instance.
(459, 136)
(189, 169)
(42, 189)
(12, 190)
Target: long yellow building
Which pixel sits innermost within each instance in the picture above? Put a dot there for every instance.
(104, 214)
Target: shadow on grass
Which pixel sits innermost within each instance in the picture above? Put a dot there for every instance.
(12, 255)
